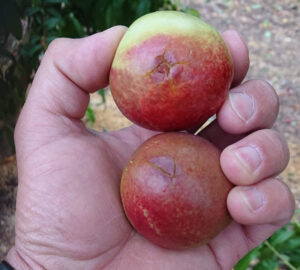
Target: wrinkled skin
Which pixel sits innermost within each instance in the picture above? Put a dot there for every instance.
(69, 214)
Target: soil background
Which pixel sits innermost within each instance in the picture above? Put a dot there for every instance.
(272, 31)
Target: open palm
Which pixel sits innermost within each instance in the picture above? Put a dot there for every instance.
(69, 214)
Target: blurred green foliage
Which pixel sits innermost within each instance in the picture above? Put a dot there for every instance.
(49, 19)
(280, 251)
(28, 26)
(13, 81)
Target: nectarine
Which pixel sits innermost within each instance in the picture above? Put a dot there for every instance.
(171, 71)
(174, 191)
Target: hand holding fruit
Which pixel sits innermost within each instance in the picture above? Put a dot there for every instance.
(69, 214)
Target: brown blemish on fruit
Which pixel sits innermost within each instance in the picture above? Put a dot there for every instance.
(164, 63)
(149, 220)
(165, 172)
(145, 212)
(152, 226)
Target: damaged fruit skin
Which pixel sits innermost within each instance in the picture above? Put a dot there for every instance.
(171, 71)
(174, 192)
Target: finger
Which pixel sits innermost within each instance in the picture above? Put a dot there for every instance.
(72, 68)
(269, 201)
(250, 106)
(258, 211)
(240, 55)
(261, 154)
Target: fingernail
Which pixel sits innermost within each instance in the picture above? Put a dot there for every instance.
(249, 156)
(239, 36)
(253, 198)
(243, 105)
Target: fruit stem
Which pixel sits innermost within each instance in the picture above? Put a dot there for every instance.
(207, 123)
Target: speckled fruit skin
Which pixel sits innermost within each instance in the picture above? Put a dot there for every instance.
(171, 71)
(174, 192)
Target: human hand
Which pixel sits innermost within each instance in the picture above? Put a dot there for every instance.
(69, 214)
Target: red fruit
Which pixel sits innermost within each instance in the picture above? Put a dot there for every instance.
(174, 192)
(171, 71)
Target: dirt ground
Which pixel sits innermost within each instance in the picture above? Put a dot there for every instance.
(272, 32)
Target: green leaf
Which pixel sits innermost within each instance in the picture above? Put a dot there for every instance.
(54, 12)
(31, 11)
(244, 263)
(293, 243)
(78, 27)
(266, 265)
(98, 14)
(90, 115)
(39, 19)
(49, 39)
(193, 12)
(280, 237)
(102, 93)
(35, 38)
(143, 7)
(109, 16)
(52, 22)
(32, 50)
(295, 258)
(118, 3)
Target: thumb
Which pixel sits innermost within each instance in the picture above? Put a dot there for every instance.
(58, 98)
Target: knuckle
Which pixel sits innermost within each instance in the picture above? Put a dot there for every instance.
(287, 202)
(270, 92)
(267, 88)
(266, 99)
(264, 85)
(270, 95)
(276, 148)
(277, 138)
(271, 135)
(55, 45)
